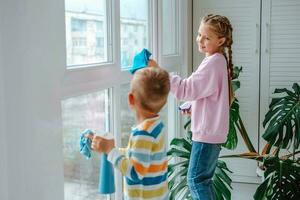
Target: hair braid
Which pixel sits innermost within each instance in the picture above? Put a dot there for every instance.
(230, 64)
(222, 27)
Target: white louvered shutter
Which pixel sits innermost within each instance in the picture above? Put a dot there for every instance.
(280, 49)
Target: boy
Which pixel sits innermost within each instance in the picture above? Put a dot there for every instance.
(144, 165)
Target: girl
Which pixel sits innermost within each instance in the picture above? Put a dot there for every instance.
(209, 91)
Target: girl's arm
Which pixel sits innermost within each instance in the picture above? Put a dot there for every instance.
(200, 84)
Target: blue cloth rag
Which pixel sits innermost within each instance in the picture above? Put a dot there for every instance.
(85, 144)
(140, 60)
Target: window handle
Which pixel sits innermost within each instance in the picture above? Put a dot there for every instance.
(267, 50)
(257, 39)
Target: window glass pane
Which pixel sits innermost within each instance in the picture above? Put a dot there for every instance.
(170, 27)
(89, 111)
(86, 31)
(127, 116)
(134, 29)
(164, 117)
(128, 120)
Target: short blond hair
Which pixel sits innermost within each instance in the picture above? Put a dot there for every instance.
(151, 86)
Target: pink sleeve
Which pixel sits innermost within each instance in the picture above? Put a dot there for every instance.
(200, 84)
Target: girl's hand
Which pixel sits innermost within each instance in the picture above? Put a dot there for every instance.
(185, 108)
(102, 145)
(152, 63)
(186, 112)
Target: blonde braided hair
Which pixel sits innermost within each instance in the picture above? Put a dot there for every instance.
(222, 27)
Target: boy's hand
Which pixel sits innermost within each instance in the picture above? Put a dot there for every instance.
(102, 145)
(152, 63)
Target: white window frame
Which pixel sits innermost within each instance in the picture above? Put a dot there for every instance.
(3, 131)
(89, 78)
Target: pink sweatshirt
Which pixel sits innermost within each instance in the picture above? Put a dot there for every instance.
(207, 89)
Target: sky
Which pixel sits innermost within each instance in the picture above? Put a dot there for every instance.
(133, 9)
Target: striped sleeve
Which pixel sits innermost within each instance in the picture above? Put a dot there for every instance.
(123, 151)
(145, 155)
(131, 166)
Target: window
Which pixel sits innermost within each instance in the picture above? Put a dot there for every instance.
(96, 38)
(127, 116)
(99, 26)
(86, 21)
(125, 41)
(79, 47)
(100, 42)
(134, 16)
(79, 42)
(99, 46)
(78, 25)
(89, 111)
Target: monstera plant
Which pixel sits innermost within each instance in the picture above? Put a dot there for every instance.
(282, 124)
(281, 171)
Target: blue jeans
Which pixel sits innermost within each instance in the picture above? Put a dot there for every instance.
(202, 167)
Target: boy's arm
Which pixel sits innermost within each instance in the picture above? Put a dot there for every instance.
(137, 164)
(123, 151)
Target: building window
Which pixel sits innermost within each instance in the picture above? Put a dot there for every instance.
(86, 19)
(79, 42)
(99, 26)
(78, 25)
(134, 14)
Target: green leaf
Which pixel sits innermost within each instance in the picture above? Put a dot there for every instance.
(232, 140)
(179, 187)
(218, 193)
(178, 153)
(281, 121)
(222, 175)
(221, 188)
(221, 164)
(221, 181)
(176, 165)
(260, 193)
(296, 88)
(172, 167)
(236, 72)
(282, 180)
(176, 178)
(187, 194)
(181, 142)
(236, 85)
(188, 123)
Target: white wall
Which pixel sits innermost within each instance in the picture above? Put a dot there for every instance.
(33, 56)
(3, 148)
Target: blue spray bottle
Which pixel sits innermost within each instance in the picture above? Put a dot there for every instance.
(106, 173)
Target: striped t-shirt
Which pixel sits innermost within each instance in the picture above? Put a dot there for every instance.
(144, 164)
